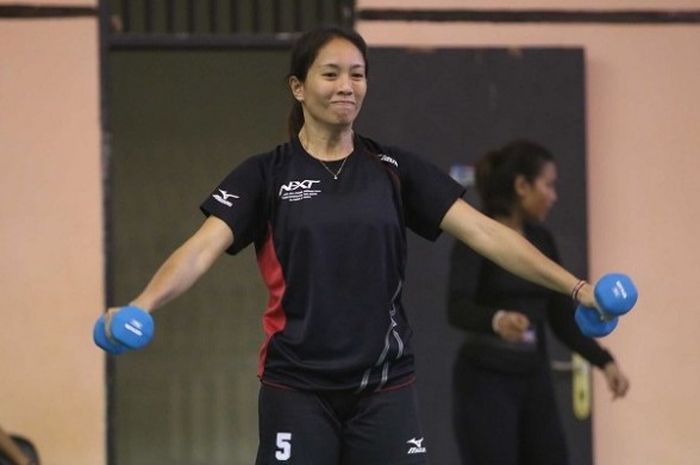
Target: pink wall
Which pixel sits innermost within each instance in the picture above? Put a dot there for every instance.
(643, 138)
(526, 4)
(51, 272)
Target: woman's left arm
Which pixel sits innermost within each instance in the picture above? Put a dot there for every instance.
(510, 250)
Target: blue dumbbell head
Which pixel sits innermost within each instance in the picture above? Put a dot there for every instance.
(100, 337)
(615, 293)
(132, 327)
(591, 323)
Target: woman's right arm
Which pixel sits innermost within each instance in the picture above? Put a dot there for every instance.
(186, 265)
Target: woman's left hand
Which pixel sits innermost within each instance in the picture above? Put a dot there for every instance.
(617, 381)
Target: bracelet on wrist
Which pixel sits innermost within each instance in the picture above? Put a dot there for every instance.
(577, 289)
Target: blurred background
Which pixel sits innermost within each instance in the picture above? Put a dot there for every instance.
(118, 117)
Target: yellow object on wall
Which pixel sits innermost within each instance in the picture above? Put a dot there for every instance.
(581, 387)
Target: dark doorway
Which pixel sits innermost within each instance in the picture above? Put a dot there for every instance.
(180, 122)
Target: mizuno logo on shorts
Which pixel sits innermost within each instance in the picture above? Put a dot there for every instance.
(416, 446)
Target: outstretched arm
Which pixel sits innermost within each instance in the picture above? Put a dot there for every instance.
(510, 250)
(187, 264)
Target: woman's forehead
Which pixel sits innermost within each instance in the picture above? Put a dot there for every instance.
(338, 51)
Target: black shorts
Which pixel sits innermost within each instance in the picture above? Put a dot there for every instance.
(339, 428)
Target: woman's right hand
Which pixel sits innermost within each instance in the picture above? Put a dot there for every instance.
(618, 383)
(511, 325)
(108, 320)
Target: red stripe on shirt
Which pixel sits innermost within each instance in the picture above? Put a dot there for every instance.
(274, 319)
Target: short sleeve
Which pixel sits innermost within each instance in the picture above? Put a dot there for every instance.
(240, 201)
(427, 194)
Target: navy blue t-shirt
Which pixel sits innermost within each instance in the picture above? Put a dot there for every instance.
(332, 253)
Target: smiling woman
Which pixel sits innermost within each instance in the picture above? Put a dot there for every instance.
(328, 84)
(335, 85)
(327, 212)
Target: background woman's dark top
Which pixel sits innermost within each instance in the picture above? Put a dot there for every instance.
(478, 288)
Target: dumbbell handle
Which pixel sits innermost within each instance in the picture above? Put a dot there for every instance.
(575, 295)
(602, 314)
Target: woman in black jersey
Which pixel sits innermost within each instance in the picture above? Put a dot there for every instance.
(505, 411)
(327, 212)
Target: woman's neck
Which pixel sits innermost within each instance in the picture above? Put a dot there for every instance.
(326, 145)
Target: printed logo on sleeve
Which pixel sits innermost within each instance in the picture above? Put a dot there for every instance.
(224, 198)
(295, 191)
(388, 159)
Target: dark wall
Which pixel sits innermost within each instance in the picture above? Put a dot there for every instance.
(451, 106)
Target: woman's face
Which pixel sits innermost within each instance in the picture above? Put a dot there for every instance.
(537, 197)
(335, 85)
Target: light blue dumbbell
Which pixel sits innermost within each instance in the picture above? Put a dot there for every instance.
(616, 295)
(131, 328)
(99, 335)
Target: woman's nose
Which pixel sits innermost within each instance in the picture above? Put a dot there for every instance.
(344, 85)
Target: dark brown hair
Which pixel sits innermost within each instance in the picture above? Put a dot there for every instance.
(497, 170)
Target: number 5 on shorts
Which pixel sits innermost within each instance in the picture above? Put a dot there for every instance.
(284, 446)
